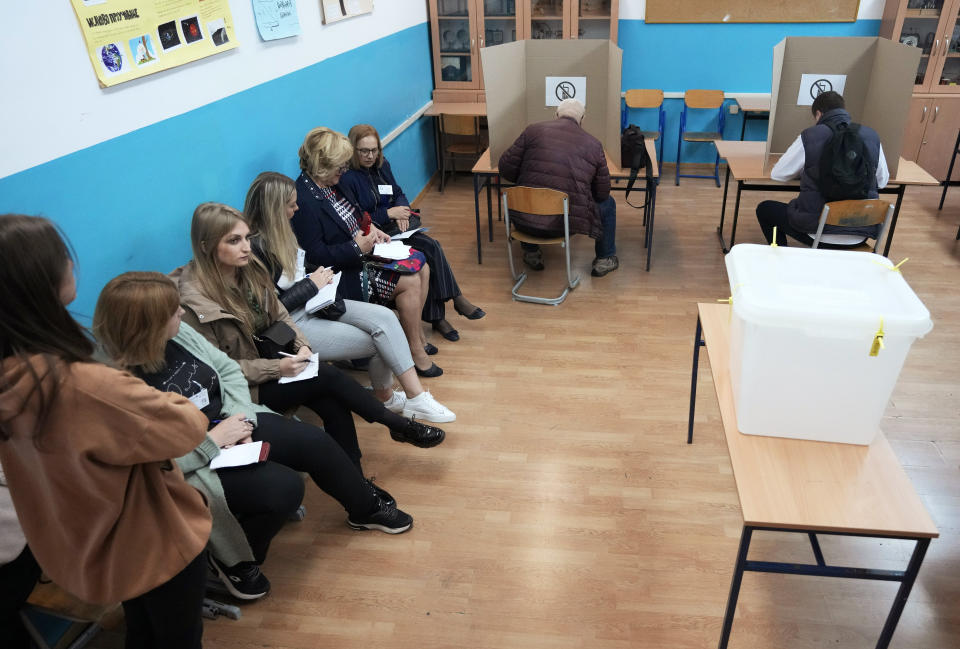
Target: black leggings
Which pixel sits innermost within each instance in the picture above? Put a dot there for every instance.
(333, 396)
(169, 615)
(17, 580)
(262, 496)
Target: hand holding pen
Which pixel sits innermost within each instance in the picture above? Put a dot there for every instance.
(232, 430)
(293, 364)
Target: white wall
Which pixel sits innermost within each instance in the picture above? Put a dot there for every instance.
(635, 9)
(52, 104)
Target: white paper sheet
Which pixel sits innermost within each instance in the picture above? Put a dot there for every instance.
(811, 85)
(324, 296)
(393, 250)
(239, 455)
(404, 235)
(310, 371)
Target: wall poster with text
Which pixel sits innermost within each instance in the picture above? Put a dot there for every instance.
(129, 39)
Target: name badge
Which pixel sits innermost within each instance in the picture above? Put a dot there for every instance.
(386, 189)
(201, 399)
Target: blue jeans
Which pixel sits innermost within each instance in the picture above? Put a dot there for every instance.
(606, 245)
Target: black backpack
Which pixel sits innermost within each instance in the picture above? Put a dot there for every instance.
(633, 153)
(845, 170)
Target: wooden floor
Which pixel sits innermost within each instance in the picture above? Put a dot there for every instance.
(565, 510)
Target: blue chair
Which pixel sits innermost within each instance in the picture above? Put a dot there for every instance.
(647, 99)
(701, 100)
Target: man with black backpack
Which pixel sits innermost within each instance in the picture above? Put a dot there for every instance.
(835, 160)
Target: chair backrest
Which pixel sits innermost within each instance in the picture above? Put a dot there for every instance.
(856, 214)
(703, 98)
(644, 98)
(535, 200)
(459, 125)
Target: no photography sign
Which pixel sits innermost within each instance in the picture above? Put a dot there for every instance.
(560, 88)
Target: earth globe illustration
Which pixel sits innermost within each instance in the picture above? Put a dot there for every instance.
(112, 59)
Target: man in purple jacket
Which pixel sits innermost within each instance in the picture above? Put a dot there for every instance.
(559, 154)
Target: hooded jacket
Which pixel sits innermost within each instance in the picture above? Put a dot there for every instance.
(559, 154)
(104, 509)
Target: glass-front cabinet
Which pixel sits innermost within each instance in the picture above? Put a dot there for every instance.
(460, 28)
(933, 27)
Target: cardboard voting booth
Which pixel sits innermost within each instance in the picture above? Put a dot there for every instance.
(526, 80)
(874, 75)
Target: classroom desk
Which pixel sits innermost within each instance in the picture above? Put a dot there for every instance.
(753, 108)
(803, 487)
(472, 109)
(745, 163)
(485, 173)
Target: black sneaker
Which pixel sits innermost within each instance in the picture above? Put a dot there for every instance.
(385, 518)
(244, 580)
(418, 434)
(382, 494)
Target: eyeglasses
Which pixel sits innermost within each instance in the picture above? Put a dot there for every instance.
(369, 151)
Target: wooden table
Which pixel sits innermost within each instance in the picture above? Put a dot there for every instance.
(485, 174)
(804, 487)
(745, 160)
(755, 108)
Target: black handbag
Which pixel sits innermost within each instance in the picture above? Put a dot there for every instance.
(276, 338)
(332, 311)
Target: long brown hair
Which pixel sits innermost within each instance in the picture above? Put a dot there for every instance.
(211, 223)
(131, 317)
(34, 260)
(265, 212)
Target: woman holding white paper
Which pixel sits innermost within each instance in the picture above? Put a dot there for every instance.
(137, 320)
(361, 330)
(230, 300)
(370, 184)
(336, 233)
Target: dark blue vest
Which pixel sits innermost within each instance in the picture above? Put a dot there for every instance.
(804, 210)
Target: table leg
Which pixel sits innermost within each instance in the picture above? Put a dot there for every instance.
(735, 586)
(893, 221)
(476, 207)
(698, 342)
(439, 150)
(723, 211)
(489, 209)
(913, 568)
(652, 206)
(736, 214)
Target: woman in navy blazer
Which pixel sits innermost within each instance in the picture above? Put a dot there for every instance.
(328, 228)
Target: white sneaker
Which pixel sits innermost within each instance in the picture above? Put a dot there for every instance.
(396, 403)
(424, 406)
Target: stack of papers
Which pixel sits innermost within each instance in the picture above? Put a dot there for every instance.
(324, 297)
(394, 250)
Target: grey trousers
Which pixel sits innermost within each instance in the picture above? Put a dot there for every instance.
(364, 330)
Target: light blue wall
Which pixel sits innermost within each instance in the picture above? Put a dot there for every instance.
(126, 203)
(729, 57)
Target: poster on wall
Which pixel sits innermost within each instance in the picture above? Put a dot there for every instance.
(560, 88)
(276, 18)
(334, 10)
(129, 39)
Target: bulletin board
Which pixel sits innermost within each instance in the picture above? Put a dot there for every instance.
(752, 11)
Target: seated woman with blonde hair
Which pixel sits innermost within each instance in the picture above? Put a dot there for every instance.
(332, 231)
(362, 330)
(370, 184)
(137, 320)
(229, 299)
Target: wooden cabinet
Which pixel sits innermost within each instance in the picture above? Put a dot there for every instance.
(460, 28)
(934, 117)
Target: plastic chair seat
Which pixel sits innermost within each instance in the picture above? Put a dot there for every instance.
(530, 238)
(460, 148)
(650, 135)
(701, 136)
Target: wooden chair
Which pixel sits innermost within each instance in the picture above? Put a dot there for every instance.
(701, 100)
(533, 200)
(856, 214)
(454, 129)
(55, 618)
(647, 99)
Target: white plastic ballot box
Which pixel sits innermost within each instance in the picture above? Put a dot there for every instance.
(817, 340)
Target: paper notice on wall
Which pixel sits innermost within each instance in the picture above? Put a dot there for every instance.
(811, 85)
(560, 88)
(334, 10)
(141, 37)
(276, 18)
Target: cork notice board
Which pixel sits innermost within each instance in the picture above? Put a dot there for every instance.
(752, 11)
